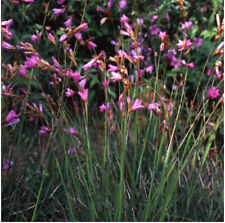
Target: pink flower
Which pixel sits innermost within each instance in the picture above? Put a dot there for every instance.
(31, 62)
(34, 38)
(105, 84)
(43, 130)
(71, 150)
(78, 36)
(75, 76)
(84, 95)
(91, 45)
(72, 130)
(55, 62)
(153, 106)
(11, 119)
(102, 108)
(162, 35)
(185, 44)
(69, 93)
(209, 72)
(186, 25)
(82, 27)
(136, 106)
(63, 37)
(149, 69)
(60, 1)
(123, 4)
(88, 65)
(83, 82)
(112, 68)
(124, 19)
(197, 42)
(58, 11)
(7, 164)
(116, 76)
(68, 22)
(51, 38)
(154, 29)
(8, 46)
(213, 93)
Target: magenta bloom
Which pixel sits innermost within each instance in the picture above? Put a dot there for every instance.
(88, 65)
(149, 69)
(31, 62)
(185, 44)
(43, 130)
(83, 82)
(82, 27)
(69, 92)
(11, 118)
(153, 106)
(75, 76)
(102, 108)
(8, 46)
(91, 45)
(124, 19)
(105, 84)
(34, 38)
(58, 12)
(136, 106)
(7, 164)
(29, 1)
(63, 37)
(72, 130)
(112, 68)
(213, 93)
(186, 25)
(71, 150)
(60, 1)
(116, 76)
(51, 38)
(154, 29)
(78, 36)
(123, 4)
(84, 95)
(197, 42)
(162, 35)
(68, 22)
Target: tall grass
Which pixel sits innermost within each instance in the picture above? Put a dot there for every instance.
(163, 164)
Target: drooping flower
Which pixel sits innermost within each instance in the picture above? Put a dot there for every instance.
(43, 130)
(185, 44)
(153, 106)
(68, 22)
(213, 93)
(84, 95)
(154, 29)
(72, 130)
(31, 62)
(8, 46)
(58, 11)
(136, 105)
(69, 92)
(63, 37)
(7, 164)
(11, 119)
(51, 38)
(116, 76)
(91, 45)
(71, 150)
(197, 42)
(123, 4)
(105, 84)
(187, 25)
(88, 65)
(149, 69)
